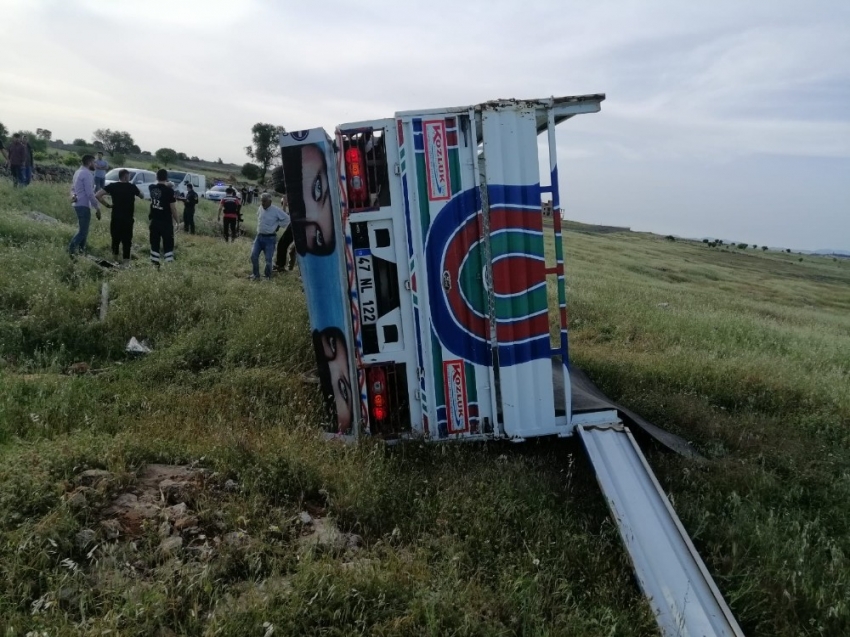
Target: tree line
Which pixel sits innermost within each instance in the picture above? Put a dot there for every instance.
(264, 148)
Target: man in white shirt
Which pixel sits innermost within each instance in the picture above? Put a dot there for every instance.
(269, 219)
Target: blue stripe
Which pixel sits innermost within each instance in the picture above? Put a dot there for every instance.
(517, 353)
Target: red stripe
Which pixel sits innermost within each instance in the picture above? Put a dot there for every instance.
(507, 271)
(522, 330)
(510, 219)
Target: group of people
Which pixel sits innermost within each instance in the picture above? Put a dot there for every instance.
(89, 192)
(270, 219)
(19, 158)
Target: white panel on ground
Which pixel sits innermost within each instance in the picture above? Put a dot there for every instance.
(683, 597)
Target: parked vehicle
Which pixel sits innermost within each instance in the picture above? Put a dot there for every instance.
(142, 178)
(217, 192)
(181, 179)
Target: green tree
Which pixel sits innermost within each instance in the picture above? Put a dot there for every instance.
(166, 155)
(182, 156)
(44, 134)
(764, 248)
(250, 171)
(79, 141)
(4, 132)
(265, 146)
(114, 141)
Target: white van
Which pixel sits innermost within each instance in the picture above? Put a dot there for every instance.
(142, 178)
(181, 179)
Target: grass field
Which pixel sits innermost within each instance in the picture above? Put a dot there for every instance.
(747, 355)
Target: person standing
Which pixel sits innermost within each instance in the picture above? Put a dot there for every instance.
(28, 165)
(189, 203)
(17, 160)
(269, 219)
(100, 168)
(245, 199)
(123, 195)
(163, 218)
(231, 208)
(82, 190)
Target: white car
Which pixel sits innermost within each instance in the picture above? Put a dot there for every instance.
(181, 180)
(217, 193)
(142, 178)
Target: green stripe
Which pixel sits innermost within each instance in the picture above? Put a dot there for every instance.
(454, 170)
(422, 187)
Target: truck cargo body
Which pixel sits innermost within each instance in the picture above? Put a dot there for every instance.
(453, 302)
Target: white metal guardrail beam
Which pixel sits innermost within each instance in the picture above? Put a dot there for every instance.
(681, 592)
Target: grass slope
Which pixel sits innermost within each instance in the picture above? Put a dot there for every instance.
(747, 355)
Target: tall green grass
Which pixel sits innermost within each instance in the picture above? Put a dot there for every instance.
(746, 355)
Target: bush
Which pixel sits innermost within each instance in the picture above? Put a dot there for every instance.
(118, 159)
(71, 160)
(146, 153)
(250, 171)
(764, 248)
(40, 156)
(670, 237)
(743, 246)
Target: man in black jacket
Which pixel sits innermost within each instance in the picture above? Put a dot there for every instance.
(189, 203)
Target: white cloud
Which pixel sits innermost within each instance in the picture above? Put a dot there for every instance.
(692, 87)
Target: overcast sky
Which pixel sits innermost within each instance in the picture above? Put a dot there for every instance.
(723, 118)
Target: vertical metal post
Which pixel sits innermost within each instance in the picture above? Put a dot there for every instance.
(559, 260)
(480, 181)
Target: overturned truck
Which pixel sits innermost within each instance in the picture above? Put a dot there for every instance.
(438, 309)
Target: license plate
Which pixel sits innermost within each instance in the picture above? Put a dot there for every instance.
(366, 287)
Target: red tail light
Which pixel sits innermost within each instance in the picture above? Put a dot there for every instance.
(355, 169)
(378, 396)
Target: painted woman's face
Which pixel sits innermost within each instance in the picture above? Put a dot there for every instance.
(336, 354)
(318, 221)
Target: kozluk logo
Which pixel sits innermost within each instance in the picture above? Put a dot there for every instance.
(457, 412)
(300, 135)
(437, 160)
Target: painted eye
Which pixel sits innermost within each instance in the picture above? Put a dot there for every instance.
(317, 188)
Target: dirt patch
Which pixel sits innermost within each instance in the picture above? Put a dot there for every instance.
(159, 492)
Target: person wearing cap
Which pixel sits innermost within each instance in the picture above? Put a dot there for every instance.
(100, 168)
(269, 219)
(231, 208)
(189, 203)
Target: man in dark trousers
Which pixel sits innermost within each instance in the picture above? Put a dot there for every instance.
(123, 195)
(189, 203)
(231, 208)
(284, 244)
(17, 160)
(163, 218)
(245, 199)
(29, 165)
